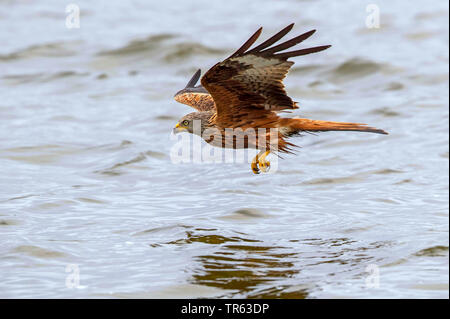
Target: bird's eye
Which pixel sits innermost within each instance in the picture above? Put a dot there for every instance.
(185, 122)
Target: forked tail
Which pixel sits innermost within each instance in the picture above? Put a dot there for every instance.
(298, 125)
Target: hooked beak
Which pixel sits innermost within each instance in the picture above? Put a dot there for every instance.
(178, 128)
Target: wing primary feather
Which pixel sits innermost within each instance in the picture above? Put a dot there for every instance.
(248, 43)
(272, 40)
(193, 81)
(289, 43)
(291, 54)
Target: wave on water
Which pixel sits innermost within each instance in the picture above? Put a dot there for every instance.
(354, 68)
(160, 46)
(16, 79)
(146, 45)
(56, 49)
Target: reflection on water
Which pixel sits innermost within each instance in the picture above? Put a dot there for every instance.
(239, 264)
(87, 180)
(244, 267)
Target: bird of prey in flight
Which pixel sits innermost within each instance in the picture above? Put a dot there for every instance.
(243, 95)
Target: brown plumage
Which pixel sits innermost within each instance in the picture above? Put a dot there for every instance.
(195, 96)
(245, 92)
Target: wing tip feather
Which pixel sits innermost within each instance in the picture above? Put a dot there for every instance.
(247, 43)
(194, 79)
(290, 54)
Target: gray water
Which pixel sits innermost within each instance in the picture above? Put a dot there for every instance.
(88, 187)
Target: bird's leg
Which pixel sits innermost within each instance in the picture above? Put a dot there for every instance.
(260, 162)
(263, 164)
(255, 163)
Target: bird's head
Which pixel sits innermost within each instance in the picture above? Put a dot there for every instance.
(194, 123)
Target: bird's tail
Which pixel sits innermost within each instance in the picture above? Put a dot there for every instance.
(296, 125)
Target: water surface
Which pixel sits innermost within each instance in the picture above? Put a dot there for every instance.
(87, 179)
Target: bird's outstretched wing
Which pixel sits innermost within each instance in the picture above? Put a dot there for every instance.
(247, 86)
(195, 96)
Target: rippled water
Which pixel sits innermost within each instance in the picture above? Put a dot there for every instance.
(87, 183)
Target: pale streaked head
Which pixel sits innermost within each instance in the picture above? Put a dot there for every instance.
(194, 123)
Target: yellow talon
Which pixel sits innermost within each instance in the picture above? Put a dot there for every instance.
(254, 165)
(259, 162)
(263, 164)
(255, 169)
